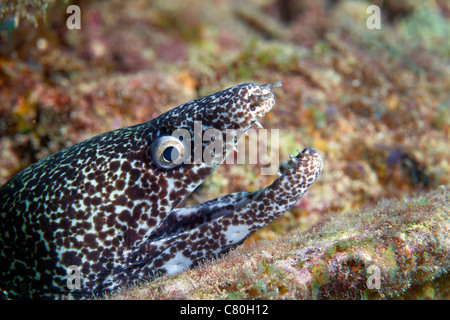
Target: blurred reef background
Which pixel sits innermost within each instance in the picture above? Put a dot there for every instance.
(374, 103)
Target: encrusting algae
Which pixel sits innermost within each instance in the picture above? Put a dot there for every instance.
(395, 250)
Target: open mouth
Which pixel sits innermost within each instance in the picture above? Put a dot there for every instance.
(250, 210)
(295, 176)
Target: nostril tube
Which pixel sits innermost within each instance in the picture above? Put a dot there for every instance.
(273, 85)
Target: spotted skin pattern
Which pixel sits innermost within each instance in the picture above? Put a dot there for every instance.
(104, 206)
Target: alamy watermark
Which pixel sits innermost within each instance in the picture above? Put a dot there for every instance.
(374, 20)
(209, 146)
(374, 280)
(74, 277)
(74, 20)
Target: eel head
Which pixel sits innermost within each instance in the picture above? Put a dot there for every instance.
(107, 207)
(187, 235)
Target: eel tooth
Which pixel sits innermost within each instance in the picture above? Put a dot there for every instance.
(259, 125)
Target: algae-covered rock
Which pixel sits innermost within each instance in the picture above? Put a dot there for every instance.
(380, 252)
(397, 249)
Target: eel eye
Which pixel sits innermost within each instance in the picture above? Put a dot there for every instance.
(167, 152)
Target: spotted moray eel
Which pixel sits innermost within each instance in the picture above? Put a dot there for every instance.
(107, 205)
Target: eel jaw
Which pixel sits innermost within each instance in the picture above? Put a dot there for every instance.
(295, 178)
(216, 226)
